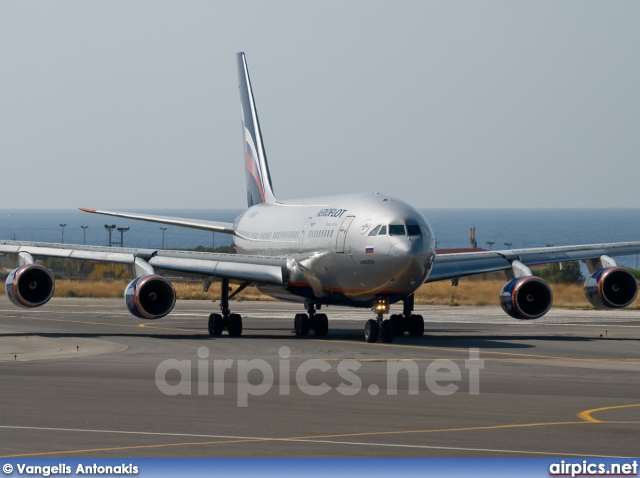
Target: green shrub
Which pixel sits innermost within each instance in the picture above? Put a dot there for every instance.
(569, 274)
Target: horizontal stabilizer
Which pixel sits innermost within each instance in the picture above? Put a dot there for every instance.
(213, 226)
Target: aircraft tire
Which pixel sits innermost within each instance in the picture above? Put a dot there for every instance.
(215, 325)
(400, 324)
(235, 325)
(388, 331)
(301, 324)
(371, 331)
(416, 326)
(321, 326)
(305, 324)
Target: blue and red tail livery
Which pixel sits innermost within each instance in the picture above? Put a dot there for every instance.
(259, 188)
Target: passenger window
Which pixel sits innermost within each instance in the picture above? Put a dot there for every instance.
(374, 232)
(413, 230)
(396, 230)
(383, 231)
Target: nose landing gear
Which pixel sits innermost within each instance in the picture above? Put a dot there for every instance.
(379, 326)
(396, 325)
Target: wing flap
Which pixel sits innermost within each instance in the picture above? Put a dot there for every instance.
(243, 271)
(104, 254)
(451, 266)
(545, 255)
(241, 267)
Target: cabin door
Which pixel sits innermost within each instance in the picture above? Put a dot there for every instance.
(342, 233)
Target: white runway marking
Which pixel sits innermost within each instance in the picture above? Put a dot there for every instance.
(432, 315)
(300, 440)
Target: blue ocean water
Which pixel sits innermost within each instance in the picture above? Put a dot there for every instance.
(521, 227)
(535, 227)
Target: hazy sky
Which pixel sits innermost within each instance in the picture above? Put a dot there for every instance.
(134, 104)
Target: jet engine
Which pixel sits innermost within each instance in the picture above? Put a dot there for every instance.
(150, 297)
(30, 285)
(611, 288)
(526, 298)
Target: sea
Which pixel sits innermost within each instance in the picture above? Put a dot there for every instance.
(518, 227)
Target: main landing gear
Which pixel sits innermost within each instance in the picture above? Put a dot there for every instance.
(303, 323)
(226, 320)
(396, 325)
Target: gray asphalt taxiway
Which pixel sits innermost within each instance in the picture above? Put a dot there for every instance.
(82, 377)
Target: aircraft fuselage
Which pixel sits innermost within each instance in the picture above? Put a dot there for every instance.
(347, 250)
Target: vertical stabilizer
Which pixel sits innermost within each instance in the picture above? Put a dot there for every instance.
(259, 188)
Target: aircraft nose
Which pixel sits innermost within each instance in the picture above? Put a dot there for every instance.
(414, 257)
(410, 246)
(401, 248)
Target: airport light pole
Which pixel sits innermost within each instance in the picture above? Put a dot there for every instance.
(163, 229)
(122, 230)
(508, 244)
(62, 226)
(84, 234)
(491, 243)
(109, 228)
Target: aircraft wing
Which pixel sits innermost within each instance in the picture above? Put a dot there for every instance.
(236, 267)
(213, 226)
(452, 266)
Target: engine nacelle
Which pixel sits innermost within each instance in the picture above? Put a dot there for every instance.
(526, 298)
(611, 288)
(150, 297)
(30, 285)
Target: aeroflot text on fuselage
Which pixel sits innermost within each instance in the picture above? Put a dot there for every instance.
(331, 212)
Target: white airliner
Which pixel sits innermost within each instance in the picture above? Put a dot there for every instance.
(361, 250)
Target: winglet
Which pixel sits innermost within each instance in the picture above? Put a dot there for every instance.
(259, 189)
(86, 209)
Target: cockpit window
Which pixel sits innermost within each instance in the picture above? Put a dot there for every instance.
(375, 230)
(396, 230)
(383, 231)
(414, 230)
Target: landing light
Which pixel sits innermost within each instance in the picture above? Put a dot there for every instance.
(382, 306)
